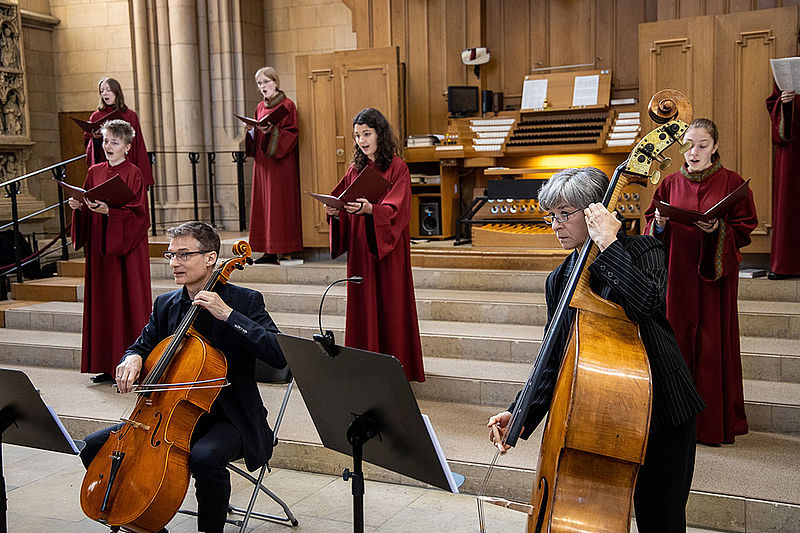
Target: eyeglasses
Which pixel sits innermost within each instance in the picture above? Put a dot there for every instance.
(183, 256)
(561, 219)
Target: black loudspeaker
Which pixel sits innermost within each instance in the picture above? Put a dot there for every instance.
(486, 101)
(497, 102)
(430, 219)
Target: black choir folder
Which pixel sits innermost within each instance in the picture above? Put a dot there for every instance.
(273, 118)
(689, 216)
(91, 127)
(369, 184)
(114, 192)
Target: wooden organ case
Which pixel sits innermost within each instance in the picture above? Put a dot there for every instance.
(509, 154)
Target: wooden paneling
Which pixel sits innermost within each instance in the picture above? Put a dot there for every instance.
(746, 42)
(721, 63)
(335, 87)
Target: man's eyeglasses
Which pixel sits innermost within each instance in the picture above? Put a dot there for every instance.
(561, 219)
(183, 256)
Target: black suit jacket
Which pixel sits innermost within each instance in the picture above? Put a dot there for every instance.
(249, 333)
(631, 273)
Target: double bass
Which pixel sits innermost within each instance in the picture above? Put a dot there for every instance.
(597, 428)
(140, 476)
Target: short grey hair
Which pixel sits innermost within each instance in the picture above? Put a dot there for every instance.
(577, 187)
(205, 234)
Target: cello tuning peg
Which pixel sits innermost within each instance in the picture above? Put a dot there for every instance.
(655, 177)
(665, 163)
(683, 147)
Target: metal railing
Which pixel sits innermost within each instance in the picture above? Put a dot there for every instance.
(58, 170)
(237, 157)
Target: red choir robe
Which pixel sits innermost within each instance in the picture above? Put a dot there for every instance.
(275, 225)
(702, 293)
(785, 252)
(381, 311)
(138, 152)
(116, 298)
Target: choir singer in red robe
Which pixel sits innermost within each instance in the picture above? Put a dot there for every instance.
(275, 226)
(381, 311)
(784, 108)
(116, 298)
(112, 99)
(703, 264)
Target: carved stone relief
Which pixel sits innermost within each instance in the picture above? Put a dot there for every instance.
(13, 114)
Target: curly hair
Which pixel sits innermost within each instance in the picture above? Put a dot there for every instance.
(387, 147)
(119, 129)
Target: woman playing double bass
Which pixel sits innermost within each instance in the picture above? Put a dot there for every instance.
(630, 271)
(233, 320)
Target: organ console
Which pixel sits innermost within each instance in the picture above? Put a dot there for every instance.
(509, 154)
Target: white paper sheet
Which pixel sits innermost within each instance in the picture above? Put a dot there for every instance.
(533, 94)
(585, 90)
(451, 479)
(786, 71)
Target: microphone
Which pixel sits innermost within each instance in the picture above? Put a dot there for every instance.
(326, 339)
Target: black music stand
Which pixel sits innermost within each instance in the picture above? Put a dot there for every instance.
(355, 396)
(25, 420)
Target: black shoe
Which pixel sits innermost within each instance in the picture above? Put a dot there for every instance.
(267, 259)
(102, 378)
(773, 275)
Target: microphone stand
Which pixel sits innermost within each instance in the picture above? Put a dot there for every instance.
(326, 339)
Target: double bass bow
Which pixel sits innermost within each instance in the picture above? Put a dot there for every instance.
(597, 428)
(140, 476)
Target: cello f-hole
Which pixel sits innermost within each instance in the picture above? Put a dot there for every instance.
(153, 441)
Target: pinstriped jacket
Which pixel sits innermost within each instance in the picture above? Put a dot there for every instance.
(630, 272)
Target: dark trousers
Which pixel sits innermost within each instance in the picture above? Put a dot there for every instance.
(662, 487)
(215, 443)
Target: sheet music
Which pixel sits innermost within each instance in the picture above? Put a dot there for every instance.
(451, 480)
(64, 431)
(533, 94)
(786, 71)
(585, 90)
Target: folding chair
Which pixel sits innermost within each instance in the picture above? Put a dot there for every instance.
(258, 486)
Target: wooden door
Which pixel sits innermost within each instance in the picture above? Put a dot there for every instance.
(331, 89)
(745, 42)
(73, 144)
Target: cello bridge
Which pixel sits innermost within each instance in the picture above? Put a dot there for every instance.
(137, 425)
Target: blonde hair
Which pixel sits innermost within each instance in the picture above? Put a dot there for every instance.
(119, 129)
(271, 74)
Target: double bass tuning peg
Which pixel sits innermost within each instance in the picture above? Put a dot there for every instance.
(664, 163)
(655, 176)
(683, 147)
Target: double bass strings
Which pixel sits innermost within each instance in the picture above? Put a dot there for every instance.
(482, 492)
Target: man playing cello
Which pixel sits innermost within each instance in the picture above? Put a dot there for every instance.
(630, 271)
(235, 322)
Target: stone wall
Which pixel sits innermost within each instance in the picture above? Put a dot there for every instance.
(299, 27)
(92, 40)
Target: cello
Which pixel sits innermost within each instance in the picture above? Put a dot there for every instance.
(140, 476)
(597, 428)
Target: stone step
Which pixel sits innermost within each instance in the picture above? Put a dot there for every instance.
(751, 486)
(780, 319)
(432, 304)
(74, 268)
(59, 289)
(771, 406)
(763, 358)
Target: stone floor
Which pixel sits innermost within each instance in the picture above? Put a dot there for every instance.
(43, 497)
